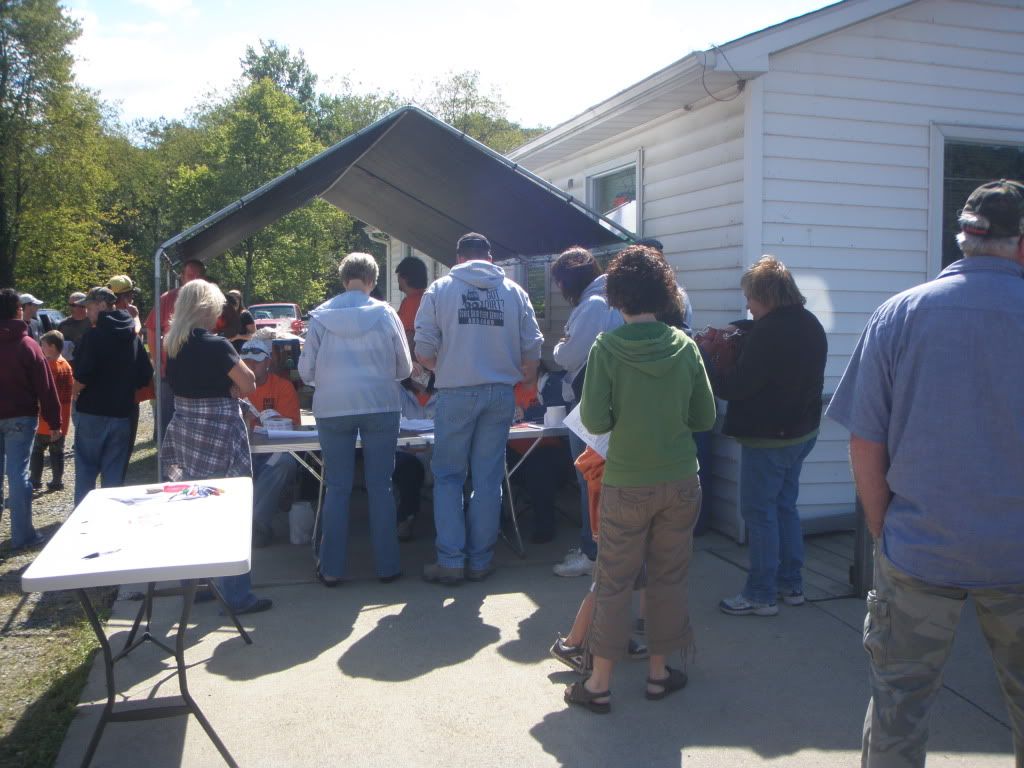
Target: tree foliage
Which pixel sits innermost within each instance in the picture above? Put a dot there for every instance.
(83, 197)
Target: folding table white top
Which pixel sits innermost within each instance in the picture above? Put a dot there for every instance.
(144, 533)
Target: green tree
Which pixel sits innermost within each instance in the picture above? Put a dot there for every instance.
(35, 74)
(258, 134)
(459, 100)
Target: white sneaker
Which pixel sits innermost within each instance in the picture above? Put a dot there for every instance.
(741, 606)
(575, 564)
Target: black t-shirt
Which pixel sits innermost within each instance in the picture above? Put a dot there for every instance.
(200, 369)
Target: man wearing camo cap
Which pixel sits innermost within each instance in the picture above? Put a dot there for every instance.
(933, 400)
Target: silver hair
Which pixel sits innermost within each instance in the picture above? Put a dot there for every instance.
(198, 305)
(358, 266)
(975, 245)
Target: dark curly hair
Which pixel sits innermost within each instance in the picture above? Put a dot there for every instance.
(574, 270)
(640, 280)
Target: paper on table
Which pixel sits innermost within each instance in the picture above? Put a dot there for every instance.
(286, 434)
(416, 425)
(598, 442)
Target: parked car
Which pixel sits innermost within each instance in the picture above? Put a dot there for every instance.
(284, 317)
(55, 315)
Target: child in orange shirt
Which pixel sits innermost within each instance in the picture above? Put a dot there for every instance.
(52, 343)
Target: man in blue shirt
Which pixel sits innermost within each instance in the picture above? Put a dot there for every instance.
(934, 402)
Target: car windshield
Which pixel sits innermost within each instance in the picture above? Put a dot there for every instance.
(273, 311)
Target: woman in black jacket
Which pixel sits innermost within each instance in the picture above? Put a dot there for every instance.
(774, 395)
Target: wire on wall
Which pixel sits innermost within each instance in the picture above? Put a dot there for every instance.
(740, 82)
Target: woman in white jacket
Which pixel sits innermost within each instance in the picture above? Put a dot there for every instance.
(355, 355)
(578, 276)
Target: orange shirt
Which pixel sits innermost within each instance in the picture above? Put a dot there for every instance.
(277, 393)
(65, 381)
(409, 307)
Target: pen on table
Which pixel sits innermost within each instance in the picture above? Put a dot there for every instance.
(94, 555)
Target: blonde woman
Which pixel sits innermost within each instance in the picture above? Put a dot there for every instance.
(206, 437)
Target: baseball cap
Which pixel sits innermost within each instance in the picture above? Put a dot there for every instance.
(28, 298)
(121, 284)
(473, 241)
(101, 293)
(256, 349)
(995, 209)
(76, 299)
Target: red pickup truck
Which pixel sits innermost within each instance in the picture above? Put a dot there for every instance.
(284, 317)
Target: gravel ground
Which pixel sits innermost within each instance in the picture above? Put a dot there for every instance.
(45, 641)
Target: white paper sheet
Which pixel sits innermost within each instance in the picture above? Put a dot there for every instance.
(416, 425)
(598, 442)
(286, 434)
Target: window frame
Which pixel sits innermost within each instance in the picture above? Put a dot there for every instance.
(940, 134)
(615, 165)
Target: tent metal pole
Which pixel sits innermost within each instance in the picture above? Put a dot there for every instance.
(157, 345)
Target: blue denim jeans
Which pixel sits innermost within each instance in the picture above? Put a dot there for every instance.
(769, 486)
(471, 427)
(16, 436)
(379, 435)
(587, 544)
(269, 483)
(101, 449)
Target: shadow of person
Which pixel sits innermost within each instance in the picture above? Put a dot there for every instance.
(434, 629)
(299, 628)
(640, 734)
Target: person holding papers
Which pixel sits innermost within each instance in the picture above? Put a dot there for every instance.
(356, 354)
(578, 276)
(273, 474)
(646, 385)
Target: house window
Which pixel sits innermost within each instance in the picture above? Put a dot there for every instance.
(613, 194)
(537, 288)
(967, 166)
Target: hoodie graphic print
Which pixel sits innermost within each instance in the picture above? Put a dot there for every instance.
(478, 325)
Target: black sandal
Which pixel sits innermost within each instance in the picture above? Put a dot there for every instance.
(675, 681)
(577, 693)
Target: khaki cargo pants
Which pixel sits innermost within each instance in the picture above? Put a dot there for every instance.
(656, 522)
(908, 634)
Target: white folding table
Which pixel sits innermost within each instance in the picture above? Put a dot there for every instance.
(306, 448)
(147, 533)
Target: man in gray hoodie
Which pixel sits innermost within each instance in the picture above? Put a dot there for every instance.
(477, 331)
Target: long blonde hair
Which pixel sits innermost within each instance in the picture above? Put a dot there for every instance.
(199, 304)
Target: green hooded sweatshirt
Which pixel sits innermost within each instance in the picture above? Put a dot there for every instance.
(646, 384)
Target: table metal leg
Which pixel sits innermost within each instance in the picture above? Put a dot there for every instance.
(146, 609)
(189, 590)
(516, 545)
(188, 706)
(108, 669)
(212, 586)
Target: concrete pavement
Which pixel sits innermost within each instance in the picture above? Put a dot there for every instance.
(413, 674)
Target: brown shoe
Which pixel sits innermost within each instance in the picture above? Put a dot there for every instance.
(479, 575)
(441, 574)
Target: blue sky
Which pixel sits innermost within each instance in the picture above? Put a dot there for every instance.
(549, 60)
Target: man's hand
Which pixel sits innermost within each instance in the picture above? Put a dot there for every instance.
(235, 392)
(55, 437)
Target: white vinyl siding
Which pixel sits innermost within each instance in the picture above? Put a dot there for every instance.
(847, 133)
